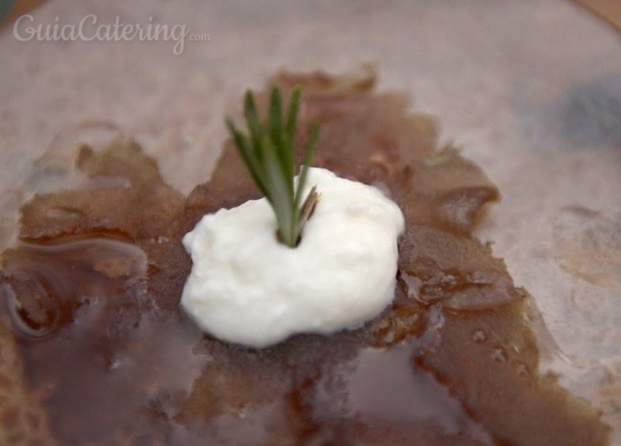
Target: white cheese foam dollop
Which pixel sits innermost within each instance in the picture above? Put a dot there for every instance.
(247, 288)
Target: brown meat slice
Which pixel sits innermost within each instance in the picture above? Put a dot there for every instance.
(453, 360)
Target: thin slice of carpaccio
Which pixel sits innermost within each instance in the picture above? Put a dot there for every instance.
(90, 309)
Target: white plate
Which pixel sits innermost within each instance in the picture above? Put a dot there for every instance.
(531, 90)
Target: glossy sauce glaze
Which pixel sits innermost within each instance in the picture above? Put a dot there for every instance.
(90, 300)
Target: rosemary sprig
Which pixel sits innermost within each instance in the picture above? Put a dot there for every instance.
(269, 153)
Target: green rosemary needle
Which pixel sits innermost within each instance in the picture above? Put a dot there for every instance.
(269, 154)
